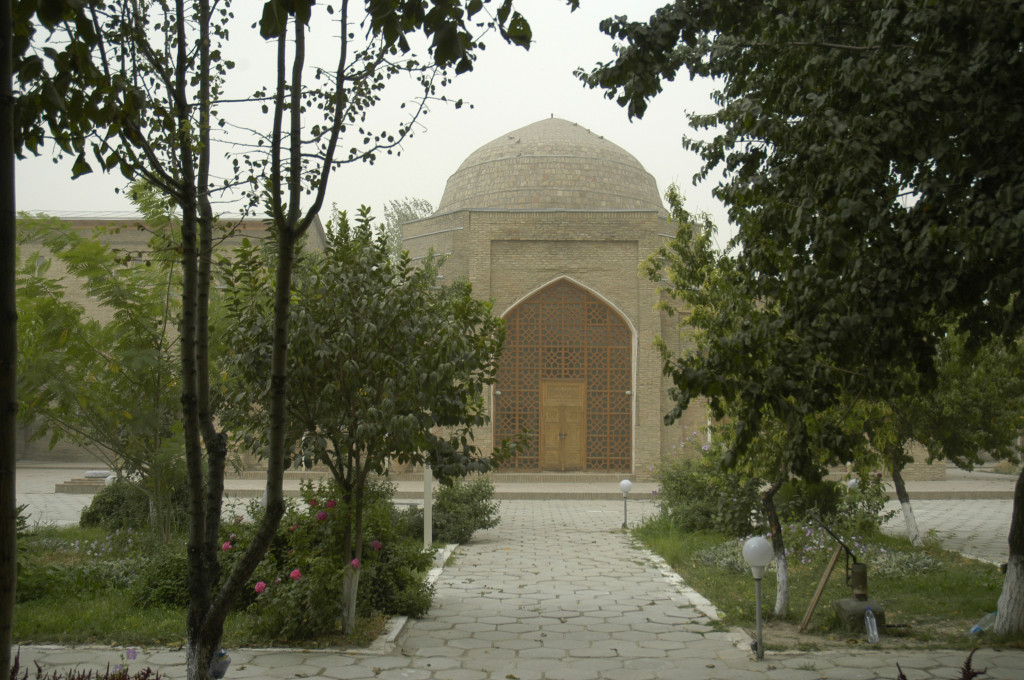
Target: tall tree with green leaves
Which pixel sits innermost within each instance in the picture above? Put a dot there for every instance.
(693, 271)
(869, 151)
(397, 213)
(110, 383)
(385, 365)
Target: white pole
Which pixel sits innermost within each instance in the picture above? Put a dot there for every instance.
(760, 638)
(428, 507)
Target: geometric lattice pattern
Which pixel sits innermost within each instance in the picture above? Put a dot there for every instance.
(560, 332)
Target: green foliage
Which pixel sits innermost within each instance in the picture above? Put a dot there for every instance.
(697, 494)
(162, 580)
(399, 211)
(297, 592)
(90, 563)
(463, 508)
(127, 505)
(797, 499)
(121, 505)
(460, 509)
(111, 387)
(382, 365)
(871, 215)
(904, 563)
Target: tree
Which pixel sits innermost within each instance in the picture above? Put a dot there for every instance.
(110, 386)
(869, 160)
(692, 270)
(8, 344)
(975, 407)
(399, 211)
(384, 366)
(16, 19)
(147, 104)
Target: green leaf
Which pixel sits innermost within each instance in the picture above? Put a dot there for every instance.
(274, 21)
(519, 32)
(81, 167)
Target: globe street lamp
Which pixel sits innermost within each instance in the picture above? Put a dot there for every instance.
(625, 486)
(757, 552)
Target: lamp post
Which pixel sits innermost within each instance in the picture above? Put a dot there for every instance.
(625, 486)
(757, 552)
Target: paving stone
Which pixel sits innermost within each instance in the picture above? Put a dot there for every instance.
(847, 673)
(278, 659)
(489, 653)
(568, 673)
(299, 671)
(468, 643)
(473, 627)
(463, 674)
(405, 674)
(349, 673)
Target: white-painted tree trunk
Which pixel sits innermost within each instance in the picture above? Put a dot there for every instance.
(912, 531)
(781, 584)
(1011, 601)
(350, 587)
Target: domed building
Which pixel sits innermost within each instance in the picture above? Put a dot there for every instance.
(552, 223)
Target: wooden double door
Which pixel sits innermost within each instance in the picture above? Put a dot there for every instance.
(563, 422)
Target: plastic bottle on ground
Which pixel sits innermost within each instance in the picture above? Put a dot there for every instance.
(870, 625)
(986, 622)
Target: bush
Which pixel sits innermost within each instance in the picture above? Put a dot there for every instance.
(392, 579)
(797, 499)
(861, 508)
(125, 505)
(695, 496)
(121, 505)
(460, 509)
(297, 592)
(163, 578)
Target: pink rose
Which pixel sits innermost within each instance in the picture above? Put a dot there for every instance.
(296, 574)
(312, 503)
(321, 516)
(260, 587)
(227, 546)
(355, 564)
(331, 503)
(293, 527)
(376, 545)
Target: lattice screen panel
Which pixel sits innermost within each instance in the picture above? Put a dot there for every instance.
(564, 332)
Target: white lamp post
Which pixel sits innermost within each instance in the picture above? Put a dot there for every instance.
(625, 486)
(428, 507)
(757, 552)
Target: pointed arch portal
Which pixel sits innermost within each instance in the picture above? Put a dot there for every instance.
(566, 378)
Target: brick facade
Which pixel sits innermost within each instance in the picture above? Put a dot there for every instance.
(555, 202)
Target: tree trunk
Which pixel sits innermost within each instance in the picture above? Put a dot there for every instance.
(1011, 601)
(8, 348)
(904, 498)
(779, 546)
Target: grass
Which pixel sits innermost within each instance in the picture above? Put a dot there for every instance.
(75, 588)
(931, 596)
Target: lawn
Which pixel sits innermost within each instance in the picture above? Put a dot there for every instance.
(931, 596)
(82, 586)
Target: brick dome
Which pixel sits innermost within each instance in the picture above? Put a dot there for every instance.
(552, 164)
